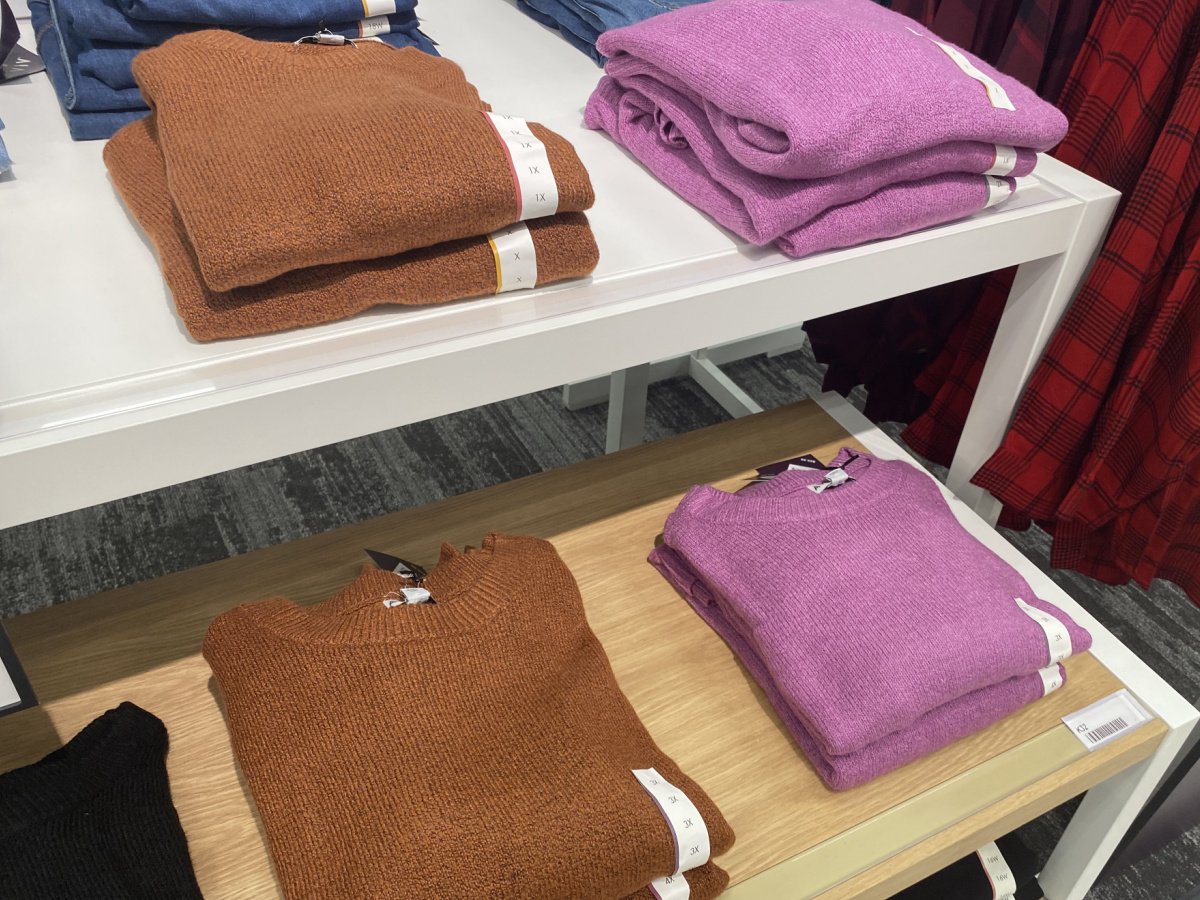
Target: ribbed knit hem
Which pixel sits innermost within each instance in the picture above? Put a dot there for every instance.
(468, 587)
(103, 752)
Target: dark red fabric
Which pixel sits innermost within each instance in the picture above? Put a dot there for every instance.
(1105, 444)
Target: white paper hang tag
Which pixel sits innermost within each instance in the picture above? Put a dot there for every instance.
(671, 887)
(996, 867)
(995, 94)
(692, 846)
(515, 258)
(998, 190)
(1005, 161)
(407, 597)
(1052, 678)
(373, 26)
(373, 8)
(537, 191)
(1058, 639)
(1106, 720)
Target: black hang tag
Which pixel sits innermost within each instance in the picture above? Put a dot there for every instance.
(807, 461)
(401, 567)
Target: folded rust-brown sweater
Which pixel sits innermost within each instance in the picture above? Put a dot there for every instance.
(563, 243)
(281, 156)
(476, 748)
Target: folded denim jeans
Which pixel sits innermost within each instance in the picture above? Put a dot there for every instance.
(266, 13)
(82, 93)
(103, 20)
(83, 126)
(581, 22)
(111, 64)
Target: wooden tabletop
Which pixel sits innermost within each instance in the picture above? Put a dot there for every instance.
(795, 837)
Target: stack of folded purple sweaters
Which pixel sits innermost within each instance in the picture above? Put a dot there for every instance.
(880, 629)
(817, 124)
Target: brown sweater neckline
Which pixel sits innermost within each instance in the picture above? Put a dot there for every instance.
(469, 587)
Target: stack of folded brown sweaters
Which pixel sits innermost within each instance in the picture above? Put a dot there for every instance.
(292, 184)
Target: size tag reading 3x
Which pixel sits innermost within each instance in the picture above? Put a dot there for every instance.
(1005, 161)
(537, 191)
(1106, 720)
(515, 256)
(691, 834)
(1057, 637)
(996, 867)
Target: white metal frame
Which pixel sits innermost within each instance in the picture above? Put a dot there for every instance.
(1110, 807)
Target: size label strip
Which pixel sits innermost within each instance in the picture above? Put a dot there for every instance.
(372, 8)
(1052, 678)
(515, 256)
(1057, 637)
(537, 191)
(671, 887)
(995, 94)
(1004, 162)
(373, 26)
(1106, 720)
(1004, 885)
(691, 834)
(998, 190)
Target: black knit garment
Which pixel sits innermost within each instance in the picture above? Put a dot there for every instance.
(94, 819)
(967, 880)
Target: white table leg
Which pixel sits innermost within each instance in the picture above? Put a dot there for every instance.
(627, 408)
(1102, 820)
(1040, 295)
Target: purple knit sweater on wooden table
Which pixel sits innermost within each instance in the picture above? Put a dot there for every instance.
(879, 627)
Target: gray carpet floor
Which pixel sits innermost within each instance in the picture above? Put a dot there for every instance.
(74, 555)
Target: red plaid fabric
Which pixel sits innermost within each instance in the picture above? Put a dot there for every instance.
(1105, 445)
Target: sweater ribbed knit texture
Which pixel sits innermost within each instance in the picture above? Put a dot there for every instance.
(94, 818)
(880, 628)
(849, 84)
(564, 245)
(283, 156)
(478, 747)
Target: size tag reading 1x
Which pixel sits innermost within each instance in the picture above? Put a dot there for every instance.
(537, 191)
(1005, 161)
(382, 25)
(998, 190)
(1052, 678)
(691, 834)
(515, 257)
(996, 867)
(1057, 637)
(1106, 720)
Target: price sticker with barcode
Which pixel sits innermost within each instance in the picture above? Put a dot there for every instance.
(1106, 720)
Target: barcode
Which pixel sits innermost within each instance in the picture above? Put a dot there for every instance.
(1107, 730)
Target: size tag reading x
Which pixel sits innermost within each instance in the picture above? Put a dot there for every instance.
(515, 256)
(537, 191)
(692, 846)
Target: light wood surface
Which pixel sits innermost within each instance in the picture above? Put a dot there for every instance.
(795, 837)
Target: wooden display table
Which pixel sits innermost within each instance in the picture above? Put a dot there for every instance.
(795, 838)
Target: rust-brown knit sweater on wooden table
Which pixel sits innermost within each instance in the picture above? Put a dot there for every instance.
(563, 243)
(478, 747)
(281, 156)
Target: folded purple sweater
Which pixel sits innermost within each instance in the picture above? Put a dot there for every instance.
(670, 135)
(813, 88)
(932, 731)
(868, 604)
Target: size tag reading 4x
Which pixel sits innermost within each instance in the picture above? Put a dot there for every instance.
(692, 846)
(1052, 678)
(996, 867)
(1058, 639)
(515, 256)
(537, 191)
(1106, 720)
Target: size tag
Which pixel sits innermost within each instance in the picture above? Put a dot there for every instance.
(372, 8)
(833, 478)
(1052, 678)
(1004, 162)
(1106, 720)
(515, 257)
(998, 190)
(996, 867)
(1058, 639)
(671, 887)
(995, 94)
(691, 834)
(407, 597)
(537, 191)
(381, 25)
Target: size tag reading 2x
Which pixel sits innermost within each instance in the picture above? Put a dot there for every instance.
(537, 191)
(1057, 637)
(998, 190)
(692, 846)
(996, 867)
(1005, 161)
(515, 256)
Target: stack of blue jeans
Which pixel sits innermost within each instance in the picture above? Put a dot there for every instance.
(89, 45)
(582, 21)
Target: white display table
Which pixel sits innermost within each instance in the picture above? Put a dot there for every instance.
(103, 394)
